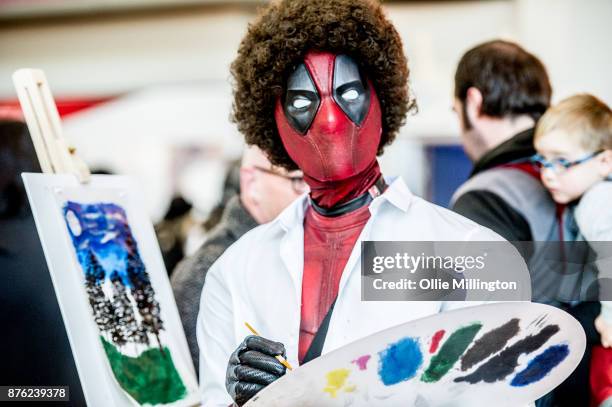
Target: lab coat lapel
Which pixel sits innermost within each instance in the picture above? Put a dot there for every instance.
(292, 255)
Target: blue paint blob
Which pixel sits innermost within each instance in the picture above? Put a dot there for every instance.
(400, 361)
(541, 365)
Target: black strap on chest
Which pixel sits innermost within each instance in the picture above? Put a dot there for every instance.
(316, 346)
(355, 203)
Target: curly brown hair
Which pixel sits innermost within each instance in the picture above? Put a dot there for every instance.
(278, 40)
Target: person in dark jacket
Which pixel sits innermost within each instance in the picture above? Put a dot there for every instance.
(36, 351)
(264, 192)
(500, 92)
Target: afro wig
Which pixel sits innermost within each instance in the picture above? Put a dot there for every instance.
(277, 42)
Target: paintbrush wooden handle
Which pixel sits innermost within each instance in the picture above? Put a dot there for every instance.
(281, 359)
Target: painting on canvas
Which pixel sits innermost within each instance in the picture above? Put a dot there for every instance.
(113, 291)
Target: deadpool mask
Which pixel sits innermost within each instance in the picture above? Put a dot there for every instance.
(329, 117)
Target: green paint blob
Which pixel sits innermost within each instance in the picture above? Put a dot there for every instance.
(450, 352)
(150, 378)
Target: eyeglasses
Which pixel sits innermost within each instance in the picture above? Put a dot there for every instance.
(559, 165)
(297, 181)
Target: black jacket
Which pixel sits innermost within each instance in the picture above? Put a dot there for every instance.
(36, 351)
(487, 208)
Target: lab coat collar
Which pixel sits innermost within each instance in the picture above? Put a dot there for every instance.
(291, 223)
(397, 194)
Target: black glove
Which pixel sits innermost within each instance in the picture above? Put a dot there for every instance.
(252, 367)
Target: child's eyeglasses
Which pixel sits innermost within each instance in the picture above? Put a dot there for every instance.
(559, 165)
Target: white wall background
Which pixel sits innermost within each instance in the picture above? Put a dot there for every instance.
(173, 69)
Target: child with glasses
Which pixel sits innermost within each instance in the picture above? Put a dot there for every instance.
(574, 144)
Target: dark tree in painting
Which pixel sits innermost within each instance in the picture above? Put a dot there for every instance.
(125, 320)
(116, 332)
(142, 291)
(101, 307)
(141, 336)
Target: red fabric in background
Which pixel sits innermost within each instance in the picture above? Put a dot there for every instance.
(10, 109)
(601, 375)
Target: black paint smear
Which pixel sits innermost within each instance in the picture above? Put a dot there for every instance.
(490, 343)
(499, 367)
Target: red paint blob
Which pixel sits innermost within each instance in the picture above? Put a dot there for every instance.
(435, 341)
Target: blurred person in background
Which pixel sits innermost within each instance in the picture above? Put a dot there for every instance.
(172, 232)
(501, 91)
(181, 233)
(201, 229)
(265, 190)
(231, 188)
(574, 144)
(36, 351)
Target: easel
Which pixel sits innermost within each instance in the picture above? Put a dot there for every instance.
(43, 120)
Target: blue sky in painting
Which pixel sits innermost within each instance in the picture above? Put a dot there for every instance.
(101, 228)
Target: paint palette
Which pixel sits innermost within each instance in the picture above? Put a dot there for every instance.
(502, 354)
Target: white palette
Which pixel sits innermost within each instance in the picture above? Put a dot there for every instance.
(337, 378)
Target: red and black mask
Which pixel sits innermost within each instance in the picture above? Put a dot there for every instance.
(329, 117)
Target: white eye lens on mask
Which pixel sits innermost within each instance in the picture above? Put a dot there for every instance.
(301, 103)
(350, 94)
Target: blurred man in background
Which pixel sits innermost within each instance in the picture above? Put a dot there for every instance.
(264, 192)
(500, 92)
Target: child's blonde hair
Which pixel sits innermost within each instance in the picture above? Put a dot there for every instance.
(582, 117)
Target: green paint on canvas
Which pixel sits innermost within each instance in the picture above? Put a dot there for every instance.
(150, 378)
(450, 352)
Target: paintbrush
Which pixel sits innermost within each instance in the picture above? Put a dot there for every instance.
(278, 357)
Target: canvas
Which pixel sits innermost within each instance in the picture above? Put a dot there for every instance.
(113, 290)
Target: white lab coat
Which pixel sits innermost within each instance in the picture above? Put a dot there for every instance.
(259, 280)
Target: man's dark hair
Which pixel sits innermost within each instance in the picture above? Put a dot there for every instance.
(512, 81)
(280, 38)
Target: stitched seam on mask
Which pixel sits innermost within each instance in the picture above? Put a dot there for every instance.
(316, 78)
(331, 73)
(320, 155)
(318, 81)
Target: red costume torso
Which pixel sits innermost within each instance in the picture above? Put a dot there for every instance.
(328, 242)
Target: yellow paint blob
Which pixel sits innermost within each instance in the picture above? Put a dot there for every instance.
(335, 381)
